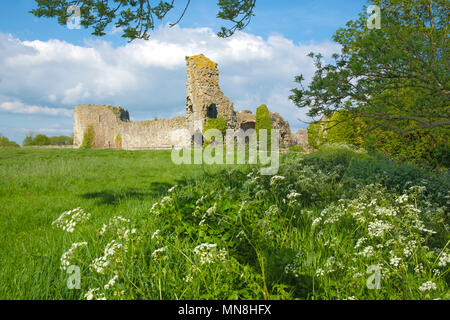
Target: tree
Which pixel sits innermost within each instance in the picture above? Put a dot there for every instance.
(396, 78)
(137, 17)
(5, 142)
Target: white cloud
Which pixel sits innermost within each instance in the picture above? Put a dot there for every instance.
(148, 77)
(20, 108)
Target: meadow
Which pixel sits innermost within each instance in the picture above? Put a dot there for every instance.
(335, 224)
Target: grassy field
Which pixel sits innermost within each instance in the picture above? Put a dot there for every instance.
(37, 185)
(325, 227)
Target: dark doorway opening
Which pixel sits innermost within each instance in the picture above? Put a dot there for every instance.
(211, 112)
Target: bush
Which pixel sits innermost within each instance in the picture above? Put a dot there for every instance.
(297, 148)
(219, 123)
(88, 138)
(430, 147)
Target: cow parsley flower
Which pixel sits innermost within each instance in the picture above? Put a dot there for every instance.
(111, 282)
(427, 286)
(68, 220)
(276, 179)
(99, 264)
(395, 261)
(67, 256)
(158, 252)
(208, 253)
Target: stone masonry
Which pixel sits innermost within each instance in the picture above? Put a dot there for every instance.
(112, 127)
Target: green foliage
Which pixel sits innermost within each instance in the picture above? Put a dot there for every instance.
(429, 147)
(264, 122)
(61, 141)
(397, 77)
(43, 140)
(224, 234)
(219, 123)
(5, 142)
(118, 141)
(88, 138)
(137, 18)
(296, 148)
(315, 134)
(38, 140)
(342, 127)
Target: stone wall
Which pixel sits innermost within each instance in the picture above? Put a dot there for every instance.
(113, 129)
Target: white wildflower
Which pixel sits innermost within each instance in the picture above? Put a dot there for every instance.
(427, 286)
(99, 264)
(320, 272)
(316, 221)
(378, 228)
(67, 256)
(395, 261)
(111, 282)
(68, 220)
(156, 234)
(208, 253)
(444, 259)
(156, 254)
(276, 179)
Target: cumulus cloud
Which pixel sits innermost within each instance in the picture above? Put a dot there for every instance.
(20, 108)
(148, 77)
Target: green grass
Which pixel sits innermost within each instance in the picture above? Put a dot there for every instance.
(37, 185)
(297, 236)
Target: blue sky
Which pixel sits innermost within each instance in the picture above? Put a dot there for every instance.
(46, 68)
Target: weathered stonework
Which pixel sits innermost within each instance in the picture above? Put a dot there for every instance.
(301, 138)
(204, 99)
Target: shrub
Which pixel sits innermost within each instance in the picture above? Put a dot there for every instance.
(88, 138)
(297, 148)
(118, 141)
(219, 123)
(5, 142)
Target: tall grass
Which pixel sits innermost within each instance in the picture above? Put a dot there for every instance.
(318, 230)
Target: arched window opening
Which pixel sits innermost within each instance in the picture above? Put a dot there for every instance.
(211, 112)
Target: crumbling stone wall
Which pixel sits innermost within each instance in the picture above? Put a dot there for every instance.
(112, 126)
(204, 99)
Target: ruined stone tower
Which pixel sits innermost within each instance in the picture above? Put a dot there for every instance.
(204, 98)
(112, 128)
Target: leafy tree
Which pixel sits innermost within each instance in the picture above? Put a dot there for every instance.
(5, 142)
(137, 17)
(28, 141)
(38, 140)
(396, 77)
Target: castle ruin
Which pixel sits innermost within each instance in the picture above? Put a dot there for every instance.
(111, 126)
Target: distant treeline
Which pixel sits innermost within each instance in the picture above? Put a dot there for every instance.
(43, 140)
(5, 142)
